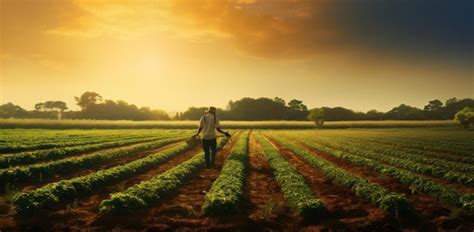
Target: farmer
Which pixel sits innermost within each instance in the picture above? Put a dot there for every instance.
(209, 123)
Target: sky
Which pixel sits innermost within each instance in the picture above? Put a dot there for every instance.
(363, 55)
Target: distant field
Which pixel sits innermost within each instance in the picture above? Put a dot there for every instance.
(102, 124)
(352, 179)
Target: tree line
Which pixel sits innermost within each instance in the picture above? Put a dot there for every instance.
(93, 106)
(277, 109)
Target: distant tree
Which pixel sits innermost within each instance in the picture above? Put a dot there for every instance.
(193, 113)
(56, 106)
(279, 100)
(297, 105)
(339, 114)
(317, 116)
(176, 116)
(434, 105)
(434, 109)
(11, 110)
(455, 105)
(87, 99)
(230, 105)
(257, 109)
(373, 115)
(296, 110)
(465, 117)
(405, 112)
(451, 101)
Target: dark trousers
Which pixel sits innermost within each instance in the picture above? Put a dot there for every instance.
(209, 146)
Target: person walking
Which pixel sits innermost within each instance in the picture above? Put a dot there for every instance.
(208, 125)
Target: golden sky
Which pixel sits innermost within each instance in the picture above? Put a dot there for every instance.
(173, 54)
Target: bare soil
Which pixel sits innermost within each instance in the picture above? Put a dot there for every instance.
(432, 214)
(346, 211)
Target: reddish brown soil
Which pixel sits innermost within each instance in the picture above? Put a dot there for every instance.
(181, 209)
(83, 212)
(346, 211)
(85, 171)
(432, 213)
(263, 201)
(459, 187)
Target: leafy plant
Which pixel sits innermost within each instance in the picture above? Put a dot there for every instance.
(298, 194)
(227, 189)
(139, 196)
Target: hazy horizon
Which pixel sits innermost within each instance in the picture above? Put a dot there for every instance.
(172, 55)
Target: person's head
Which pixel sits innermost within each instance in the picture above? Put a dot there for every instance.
(212, 110)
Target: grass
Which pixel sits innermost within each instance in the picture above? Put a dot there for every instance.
(104, 124)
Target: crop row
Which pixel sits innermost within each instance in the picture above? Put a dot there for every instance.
(38, 171)
(436, 171)
(436, 148)
(227, 190)
(293, 186)
(51, 194)
(59, 153)
(449, 140)
(394, 203)
(417, 183)
(429, 155)
(443, 165)
(416, 144)
(147, 192)
(29, 142)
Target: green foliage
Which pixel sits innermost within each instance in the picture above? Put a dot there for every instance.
(465, 117)
(146, 192)
(437, 160)
(87, 99)
(406, 161)
(227, 190)
(24, 173)
(295, 190)
(51, 194)
(418, 183)
(11, 110)
(29, 157)
(392, 202)
(107, 124)
(317, 116)
(58, 106)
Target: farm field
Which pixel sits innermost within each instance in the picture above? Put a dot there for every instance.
(12, 123)
(264, 180)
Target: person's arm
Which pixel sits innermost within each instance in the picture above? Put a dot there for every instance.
(218, 128)
(197, 133)
(201, 122)
(223, 132)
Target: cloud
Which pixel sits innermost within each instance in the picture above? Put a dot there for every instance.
(301, 28)
(270, 29)
(281, 29)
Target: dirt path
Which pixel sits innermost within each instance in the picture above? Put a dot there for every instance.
(432, 212)
(263, 201)
(182, 208)
(346, 210)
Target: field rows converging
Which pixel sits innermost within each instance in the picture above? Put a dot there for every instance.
(370, 180)
(11, 160)
(407, 161)
(416, 182)
(31, 140)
